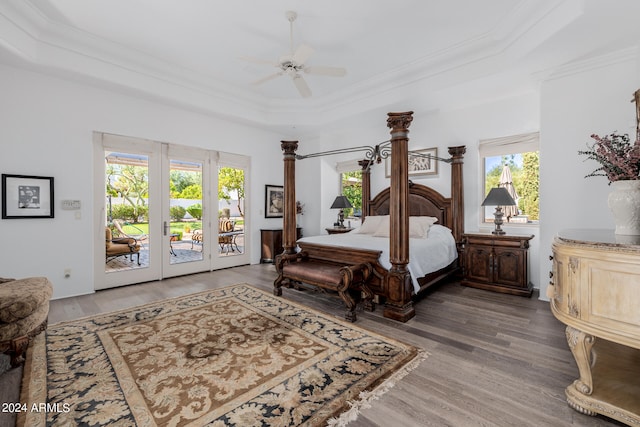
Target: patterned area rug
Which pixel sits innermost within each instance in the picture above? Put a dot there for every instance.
(233, 356)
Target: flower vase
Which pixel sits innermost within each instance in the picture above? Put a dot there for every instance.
(624, 202)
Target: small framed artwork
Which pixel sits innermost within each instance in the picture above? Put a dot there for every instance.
(274, 201)
(26, 196)
(421, 162)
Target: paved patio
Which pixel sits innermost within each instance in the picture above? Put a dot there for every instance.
(182, 251)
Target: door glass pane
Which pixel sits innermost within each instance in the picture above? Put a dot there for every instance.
(127, 225)
(230, 211)
(185, 211)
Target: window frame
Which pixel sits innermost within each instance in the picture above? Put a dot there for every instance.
(504, 146)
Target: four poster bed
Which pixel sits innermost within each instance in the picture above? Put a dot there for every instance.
(419, 219)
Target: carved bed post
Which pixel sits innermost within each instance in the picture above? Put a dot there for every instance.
(457, 191)
(399, 305)
(289, 217)
(366, 187)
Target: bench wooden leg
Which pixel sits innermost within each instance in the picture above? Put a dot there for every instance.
(367, 302)
(350, 315)
(343, 291)
(277, 285)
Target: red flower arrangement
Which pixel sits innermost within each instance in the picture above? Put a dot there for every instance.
(618, 156)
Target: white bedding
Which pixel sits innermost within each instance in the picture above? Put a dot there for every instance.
(426, 255)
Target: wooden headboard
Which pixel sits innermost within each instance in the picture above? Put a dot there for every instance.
(423, 201)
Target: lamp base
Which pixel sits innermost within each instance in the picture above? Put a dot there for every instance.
(341, 219)
(498, 214)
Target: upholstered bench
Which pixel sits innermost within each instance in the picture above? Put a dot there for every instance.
(340, 278)
(24, 308)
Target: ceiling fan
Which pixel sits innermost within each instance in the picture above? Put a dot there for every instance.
(293, 64)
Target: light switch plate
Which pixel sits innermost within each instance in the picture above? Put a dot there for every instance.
(70, 205)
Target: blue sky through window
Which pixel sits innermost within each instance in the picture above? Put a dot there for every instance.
(491, 162)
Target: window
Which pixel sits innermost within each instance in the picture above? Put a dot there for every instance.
(516, 156)
(351, 186)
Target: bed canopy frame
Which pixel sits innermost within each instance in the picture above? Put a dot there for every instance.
(395, 284)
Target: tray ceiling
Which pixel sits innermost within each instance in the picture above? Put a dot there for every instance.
(188, 53)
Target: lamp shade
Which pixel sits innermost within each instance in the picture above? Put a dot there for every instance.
(498, 196)
(341, 202)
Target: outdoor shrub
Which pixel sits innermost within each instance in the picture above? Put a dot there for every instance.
(195, 211)
(124, 212)
(177, 212)
(143, 214)
(130, 213)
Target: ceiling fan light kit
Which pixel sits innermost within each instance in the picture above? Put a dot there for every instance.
(294, 63)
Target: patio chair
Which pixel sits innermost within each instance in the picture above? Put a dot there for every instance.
(196, 238)
(120, 246)
(119, 232)
(225, 225)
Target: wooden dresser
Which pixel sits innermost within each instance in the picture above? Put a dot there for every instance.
(497, 262)
(595, 291)
(271, 243)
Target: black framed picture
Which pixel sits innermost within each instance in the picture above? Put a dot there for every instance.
(274, 201)
(25, 196)
(421, 162)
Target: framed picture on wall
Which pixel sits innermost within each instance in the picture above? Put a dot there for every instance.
(421, 162)
(274, 201)
(25, 196)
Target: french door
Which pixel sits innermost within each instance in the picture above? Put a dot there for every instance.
(159, 204)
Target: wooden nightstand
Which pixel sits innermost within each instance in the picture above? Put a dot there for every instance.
(337, 230)
(497, 263)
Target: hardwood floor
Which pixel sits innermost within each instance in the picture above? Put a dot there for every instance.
(494, 359)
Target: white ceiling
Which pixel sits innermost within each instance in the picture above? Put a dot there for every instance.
(188, 52)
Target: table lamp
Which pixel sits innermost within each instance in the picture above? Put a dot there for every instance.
(341, 202)
(498, 197)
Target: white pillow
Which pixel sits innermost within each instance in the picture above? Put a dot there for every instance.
(418, 226)
(370, 224)
(438, 230)
(383, 228)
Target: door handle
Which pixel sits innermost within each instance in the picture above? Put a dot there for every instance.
(166, 228)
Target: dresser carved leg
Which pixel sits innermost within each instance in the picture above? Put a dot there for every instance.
(581, 345)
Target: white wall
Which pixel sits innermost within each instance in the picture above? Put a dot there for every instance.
(467, 126)
(441, 129)
(47, 126)
(575, 106)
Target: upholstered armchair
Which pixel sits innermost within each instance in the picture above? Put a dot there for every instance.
(24, 309)
(120, 246)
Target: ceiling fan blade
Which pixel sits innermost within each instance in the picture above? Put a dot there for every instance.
(266, 79)
(301, 85)
(258, 61)
(303, 53)
(326, 71)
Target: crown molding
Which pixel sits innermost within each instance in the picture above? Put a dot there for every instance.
(53, 46)
(628, 54)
